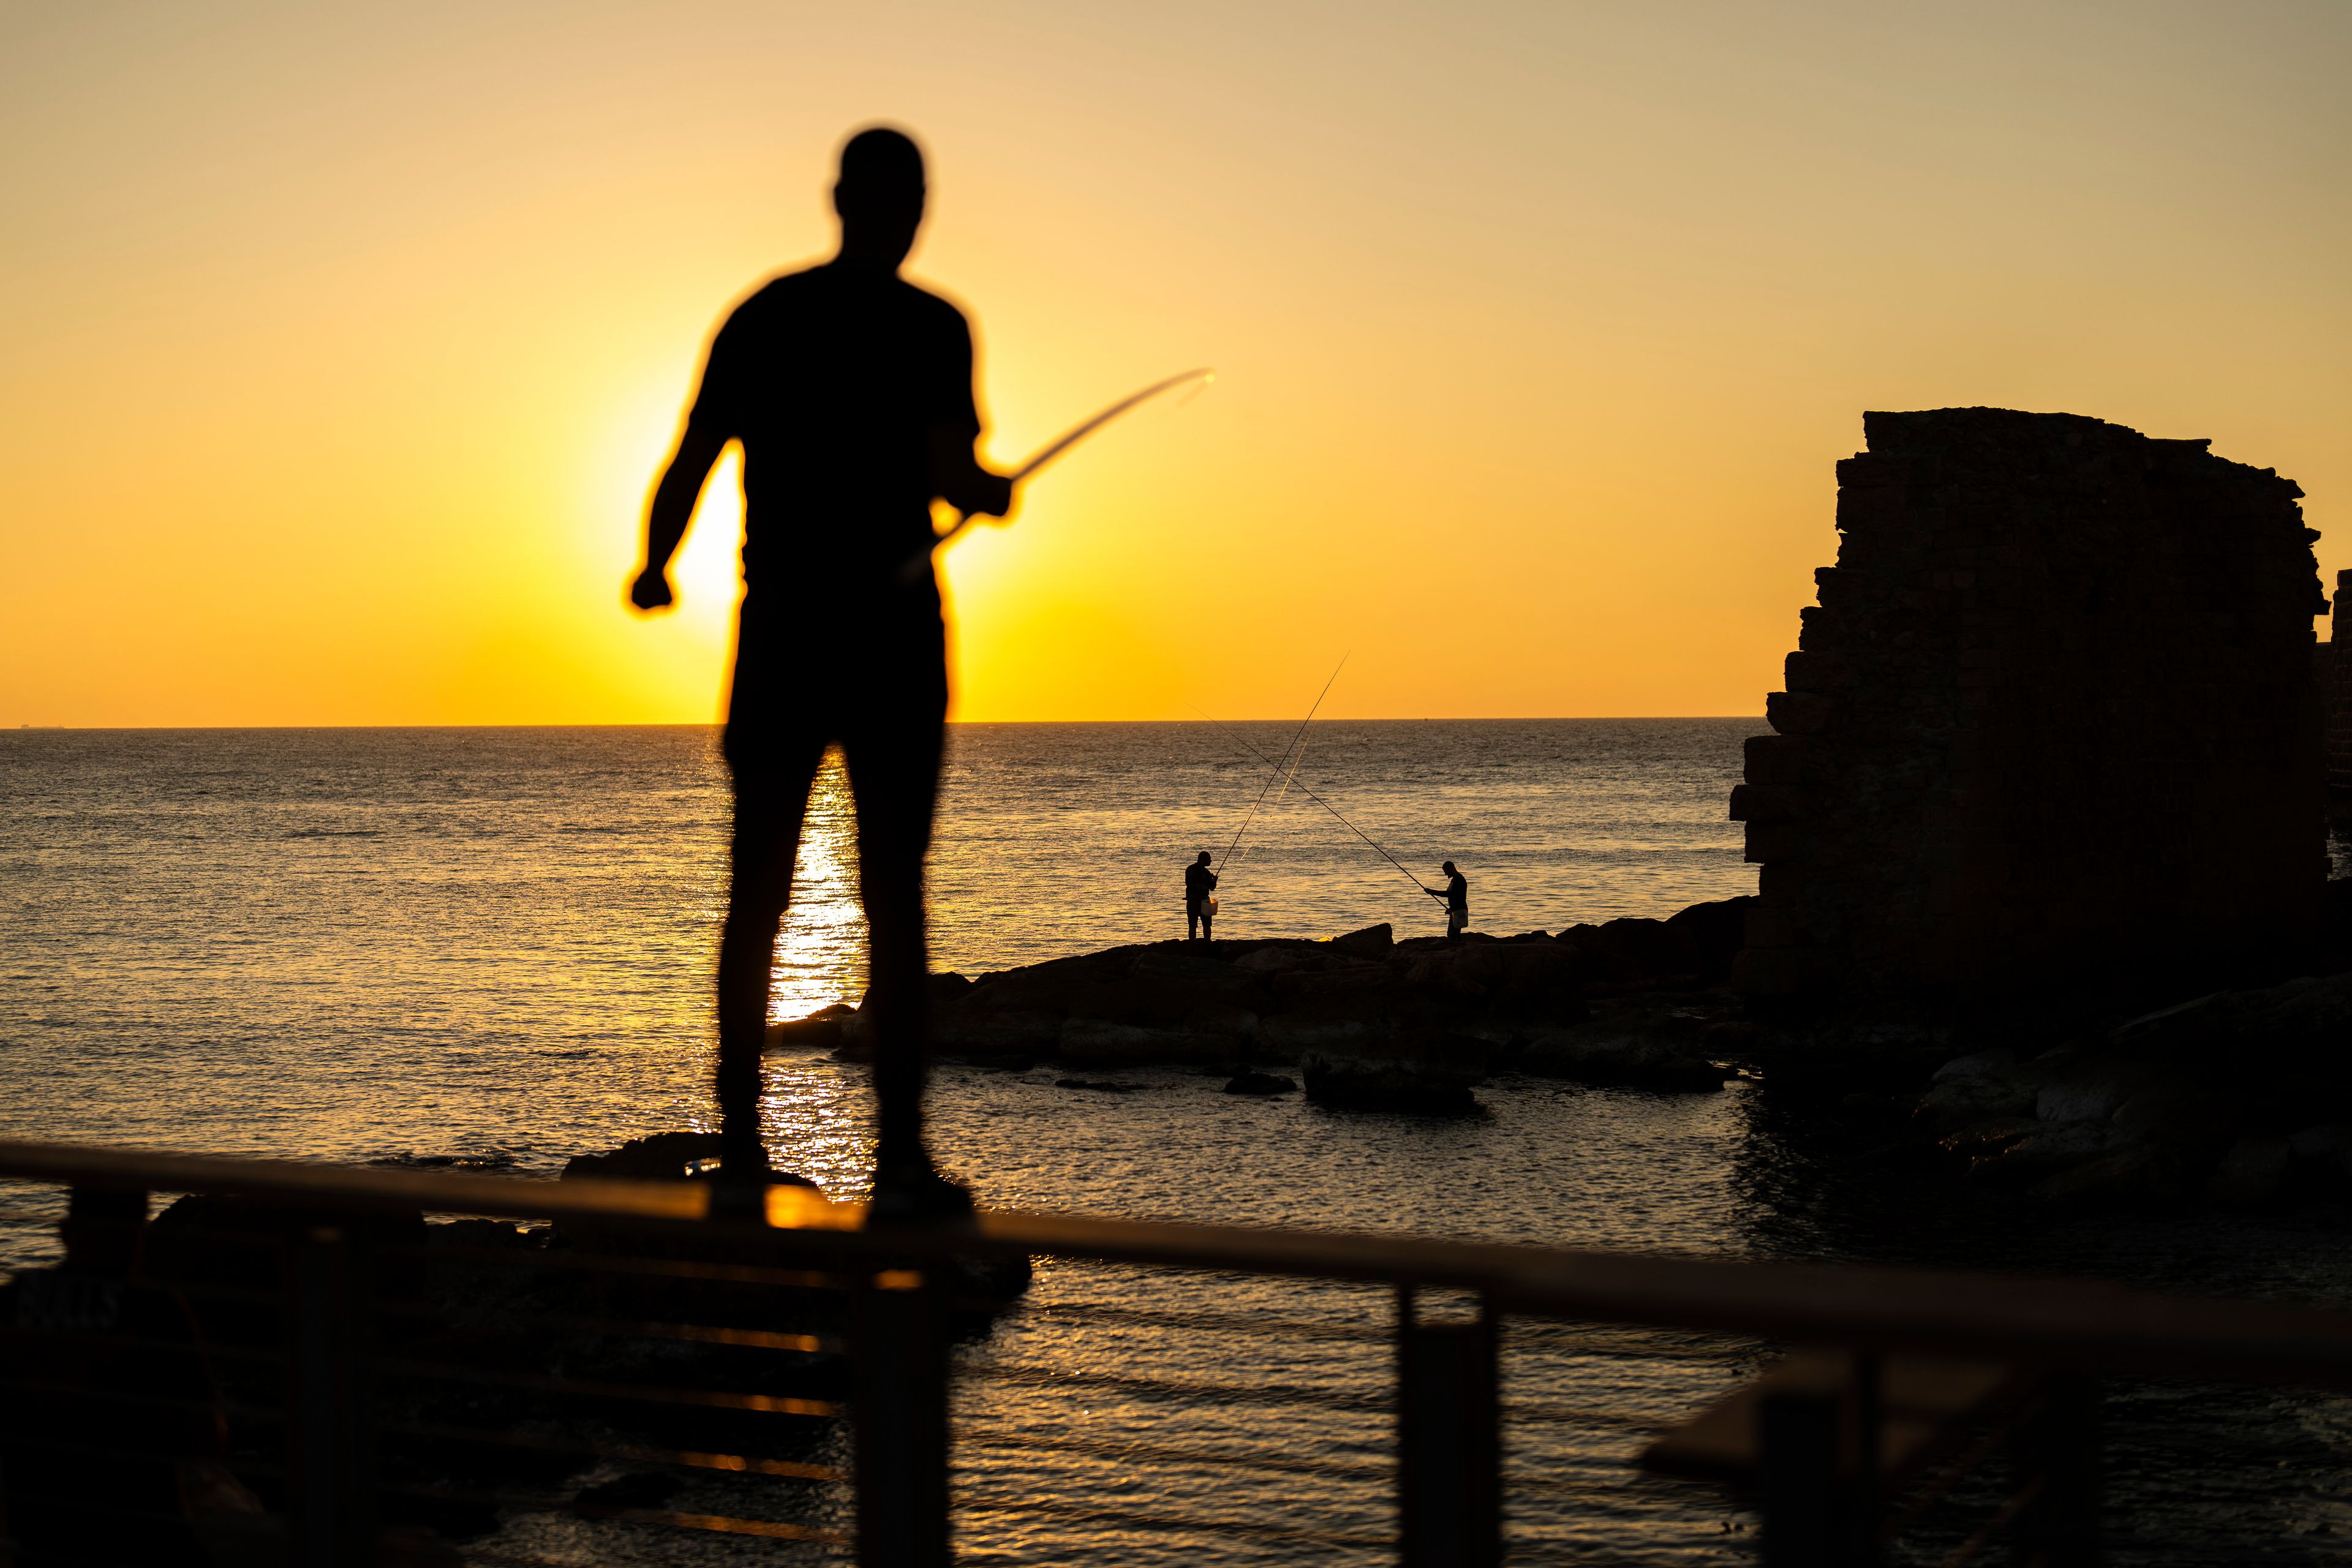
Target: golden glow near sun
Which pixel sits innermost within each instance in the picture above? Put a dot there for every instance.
(344, 345)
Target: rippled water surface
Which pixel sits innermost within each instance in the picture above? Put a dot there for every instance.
(496, 944)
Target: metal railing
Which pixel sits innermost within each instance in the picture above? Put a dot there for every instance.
(297, 1368)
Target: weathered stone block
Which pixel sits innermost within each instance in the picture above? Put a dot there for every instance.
(1798, 712)
(2075, 719)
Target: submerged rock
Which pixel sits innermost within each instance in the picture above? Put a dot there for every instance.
(1425, 1071)
(657, 1157)
(1655, 1050)
(820, 1031)
(1259, 1083)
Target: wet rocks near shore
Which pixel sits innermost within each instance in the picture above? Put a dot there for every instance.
(1368, 1021)
(2241, 1097)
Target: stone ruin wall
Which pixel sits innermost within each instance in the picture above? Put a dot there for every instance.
(2056, 712)
(2335, 687)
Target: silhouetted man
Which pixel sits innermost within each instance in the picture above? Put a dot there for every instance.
(1456, 897)
(850, 391)
(1200, 909)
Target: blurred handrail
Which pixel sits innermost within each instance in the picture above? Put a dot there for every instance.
(2073, 1324)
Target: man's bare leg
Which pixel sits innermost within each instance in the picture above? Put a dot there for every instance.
(894, 771)
(771, 789)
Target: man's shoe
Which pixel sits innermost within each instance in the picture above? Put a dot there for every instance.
(914, 1195)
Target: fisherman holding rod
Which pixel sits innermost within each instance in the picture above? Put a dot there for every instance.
(851, 392)
(1200, 904)
(1457, 900)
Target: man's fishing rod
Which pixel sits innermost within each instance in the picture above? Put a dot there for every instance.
(917, 566)
(1319, 800)
(1296, 740)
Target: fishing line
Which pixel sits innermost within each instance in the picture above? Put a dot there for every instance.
(1319, 800)
(1291, 758)
(1294, 741)
(1297, 756)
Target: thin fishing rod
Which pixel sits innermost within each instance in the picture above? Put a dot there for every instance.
(1319, 800)
(918, 565)
(1294, 741)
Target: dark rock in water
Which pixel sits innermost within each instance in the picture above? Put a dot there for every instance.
(657, 1157)
(1423, 1070)
(1104, 1086)
(1627, 1049)
(2233, 1096)
(820, 1031)
(1259, 1083)
(491, 1162)
(1372, 941)
(661, 1157)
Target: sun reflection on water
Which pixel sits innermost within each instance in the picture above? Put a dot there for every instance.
(820, 953)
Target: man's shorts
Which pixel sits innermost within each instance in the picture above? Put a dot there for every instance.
(871, 671)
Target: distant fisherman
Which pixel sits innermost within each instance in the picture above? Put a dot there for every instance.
(1457, 902)
(1200, 909)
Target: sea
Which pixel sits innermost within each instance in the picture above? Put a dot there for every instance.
(493, 948)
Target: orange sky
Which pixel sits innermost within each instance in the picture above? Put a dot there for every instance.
(342, 344)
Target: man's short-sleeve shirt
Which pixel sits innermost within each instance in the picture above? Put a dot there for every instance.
(831, 378)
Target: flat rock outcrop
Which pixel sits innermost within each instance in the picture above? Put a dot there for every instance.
(1366, 1019)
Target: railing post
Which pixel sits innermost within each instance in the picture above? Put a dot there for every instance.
(1817, 1467)
(900, 1379)
(2059, 1446)
(335, 1522)
(1449, 1441)
(1796, 1462)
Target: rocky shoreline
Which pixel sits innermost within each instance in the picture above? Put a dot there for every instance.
(1367, 1021)
(2114, 1095)
(2241, 1097)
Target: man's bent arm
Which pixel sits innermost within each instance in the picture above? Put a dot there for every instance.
(671, 510)
(959, 479)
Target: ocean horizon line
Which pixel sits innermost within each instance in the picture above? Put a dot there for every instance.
(955, 723)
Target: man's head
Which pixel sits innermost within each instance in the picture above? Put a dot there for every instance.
(1447, 868)
(879, 194)
(1203, 858)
